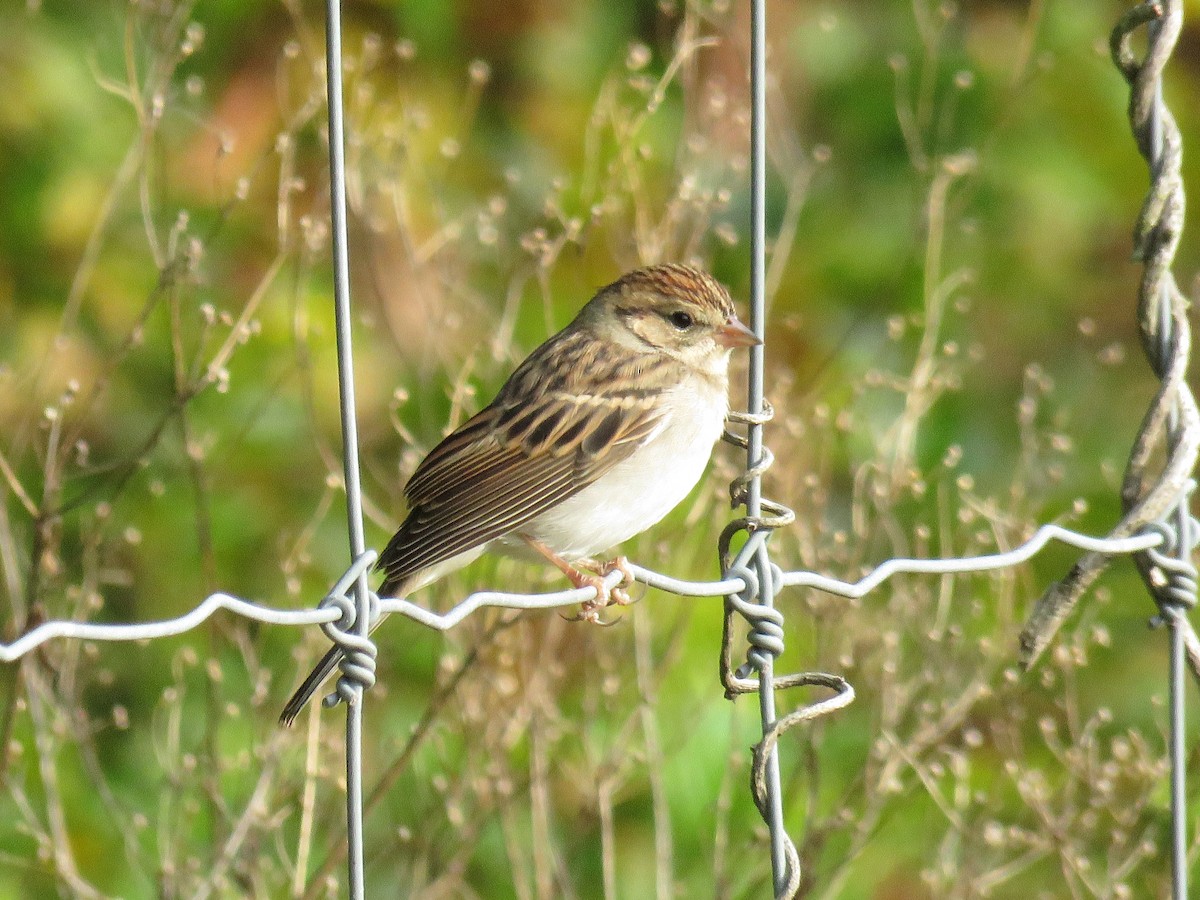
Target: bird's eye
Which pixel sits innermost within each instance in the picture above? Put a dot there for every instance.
(681, 320)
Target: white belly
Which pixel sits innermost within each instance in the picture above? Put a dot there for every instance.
(637, 492)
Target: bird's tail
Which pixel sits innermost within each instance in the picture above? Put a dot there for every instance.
(309, 686)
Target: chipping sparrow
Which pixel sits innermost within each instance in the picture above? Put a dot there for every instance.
(595, 437)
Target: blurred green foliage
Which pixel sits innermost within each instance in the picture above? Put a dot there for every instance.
(953, 356)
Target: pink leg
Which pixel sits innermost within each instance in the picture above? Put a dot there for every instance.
(590, 609)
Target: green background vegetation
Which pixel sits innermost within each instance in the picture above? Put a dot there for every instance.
(952, 354)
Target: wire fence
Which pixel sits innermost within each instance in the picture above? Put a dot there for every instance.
(1157, 528)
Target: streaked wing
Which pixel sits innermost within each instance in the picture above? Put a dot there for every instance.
(551, 431)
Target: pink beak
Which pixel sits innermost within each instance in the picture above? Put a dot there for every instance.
(734, 334)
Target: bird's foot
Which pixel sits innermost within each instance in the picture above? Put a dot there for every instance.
(589, 610)
(595, 576)
(617, 595)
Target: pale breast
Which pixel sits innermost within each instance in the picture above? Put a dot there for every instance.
(637, 492)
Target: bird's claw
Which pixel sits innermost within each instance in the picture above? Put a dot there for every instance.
(591, 613)
(605, 596)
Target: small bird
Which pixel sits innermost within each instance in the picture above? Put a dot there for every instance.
(597, 435)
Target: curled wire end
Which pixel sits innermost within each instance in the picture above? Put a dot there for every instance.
(775, 514)
(843, 696)
(358, 651)
(1120, 42)
(791, 885)
(745, 417)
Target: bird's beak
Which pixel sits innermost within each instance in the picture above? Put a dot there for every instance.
(734, 334)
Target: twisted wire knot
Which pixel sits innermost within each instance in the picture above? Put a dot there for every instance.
(766, 636)
(1174, 577)
(766, 622)
(358, 651)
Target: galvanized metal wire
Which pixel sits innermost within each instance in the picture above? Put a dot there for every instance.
(338, 606)
(358, 662)
(1157, 527)
(1155, 502)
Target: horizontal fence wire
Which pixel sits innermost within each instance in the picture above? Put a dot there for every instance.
(338, 608)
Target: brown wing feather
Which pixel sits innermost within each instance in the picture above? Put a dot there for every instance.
(550, 432)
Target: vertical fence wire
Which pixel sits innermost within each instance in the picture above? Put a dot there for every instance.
(754, 435)
(1168, 572)
(1179, 869)
(341, 274)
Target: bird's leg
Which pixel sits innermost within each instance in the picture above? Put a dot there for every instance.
(590, 609)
